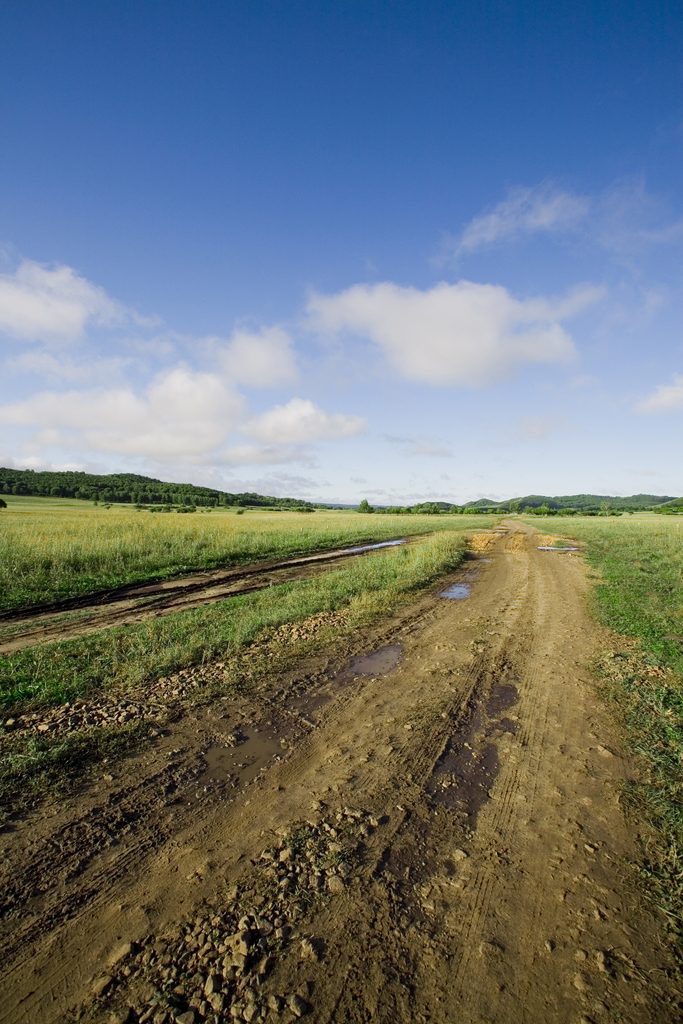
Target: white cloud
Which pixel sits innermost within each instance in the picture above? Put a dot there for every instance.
(43, 465)
(462, 333)
(299, 421)
(42, 303)
(624, 219)
(525, 211)
(665, 398)
(182, 415)
(629, 219)
(265, 359)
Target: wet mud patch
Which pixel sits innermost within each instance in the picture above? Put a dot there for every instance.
(456, 591)
(502, 697)
(234, 761)
(467, 769)
(376, 663)
(235, 765)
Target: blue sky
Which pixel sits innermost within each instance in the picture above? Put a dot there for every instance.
(397, 250)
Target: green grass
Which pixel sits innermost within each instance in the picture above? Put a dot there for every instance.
(52, 549)
(57, 765)
(56, 672)
(639, 593)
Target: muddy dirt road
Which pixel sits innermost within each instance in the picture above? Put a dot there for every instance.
(429, 834)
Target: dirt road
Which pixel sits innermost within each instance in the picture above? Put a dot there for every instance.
(432, 833)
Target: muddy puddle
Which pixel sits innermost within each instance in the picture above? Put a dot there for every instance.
(467, 769)
(376, 663)
(374, 547)
(236, 766)
(461, 587)
(456, 592)
(551, 547)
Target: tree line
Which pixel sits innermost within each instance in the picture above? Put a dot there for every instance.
(131, 488)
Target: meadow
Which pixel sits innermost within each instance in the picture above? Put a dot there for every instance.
(59, 548)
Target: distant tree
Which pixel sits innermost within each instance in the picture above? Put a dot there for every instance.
(3, 503)
(515, 506)
(605, 508)
(365, 507)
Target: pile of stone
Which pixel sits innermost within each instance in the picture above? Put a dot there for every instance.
(213, 967)
(85, 713)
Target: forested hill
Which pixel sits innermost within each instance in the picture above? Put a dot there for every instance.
(577, 501)
(128, 487)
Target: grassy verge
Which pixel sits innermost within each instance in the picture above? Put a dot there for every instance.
(639, 593)
(50, 555)
(40, 765)
(53, 673)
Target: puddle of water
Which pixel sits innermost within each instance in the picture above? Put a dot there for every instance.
(373, 547)
(549, 547)
(239, 765)
(456, 592)
(376, 663)
(502, 697)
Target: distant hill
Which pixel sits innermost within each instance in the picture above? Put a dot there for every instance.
(590, 502)
(129, 487)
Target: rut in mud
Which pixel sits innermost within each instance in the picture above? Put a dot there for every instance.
(140, 602)
(421, 825)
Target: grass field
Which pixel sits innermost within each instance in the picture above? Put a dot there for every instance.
(639, 593)
(58, 548)
(57, 672)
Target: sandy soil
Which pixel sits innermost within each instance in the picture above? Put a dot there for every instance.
(432, 833)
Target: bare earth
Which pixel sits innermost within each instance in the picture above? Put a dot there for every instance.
(461, 853)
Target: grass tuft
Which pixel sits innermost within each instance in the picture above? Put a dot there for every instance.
(44, 764)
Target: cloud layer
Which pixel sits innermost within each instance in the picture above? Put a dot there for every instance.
(182, 416)
(462, 333)
(299, 421)
(665, 398)
(42, 304)
(258, 359)
(523, 211)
